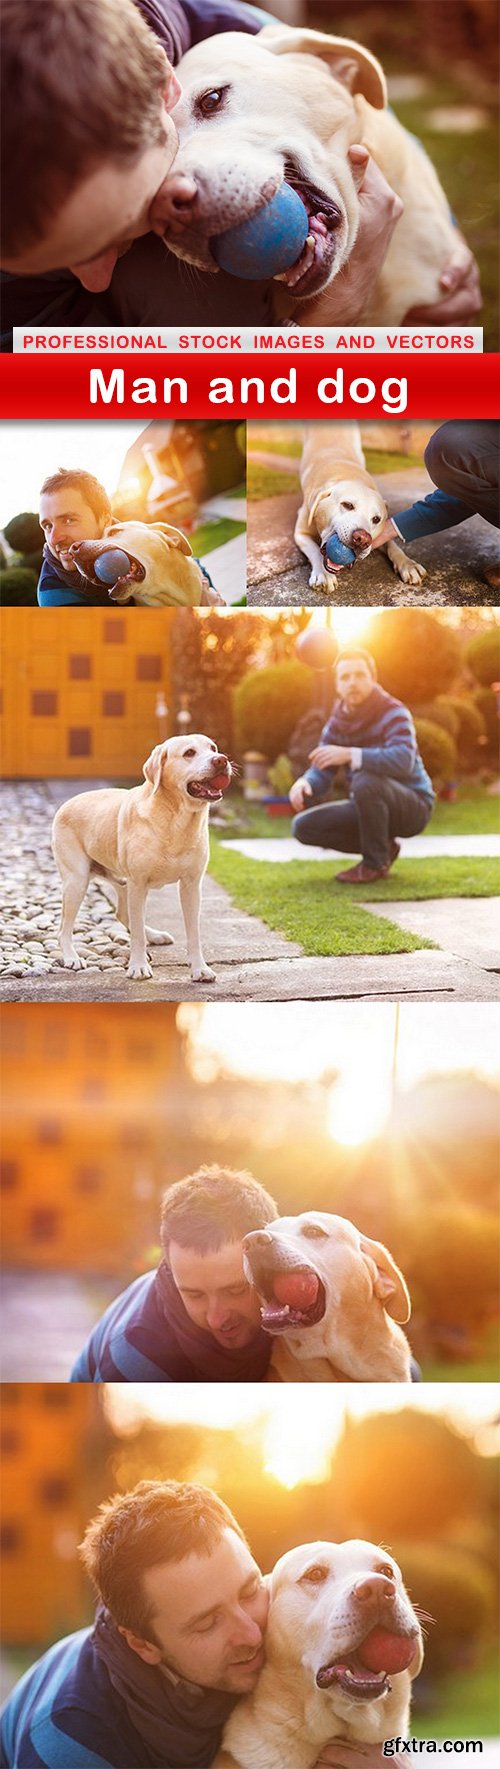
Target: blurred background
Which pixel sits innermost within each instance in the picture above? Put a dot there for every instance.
(441, 61)
(416, 1472)
(385, 1115)
(191, 475)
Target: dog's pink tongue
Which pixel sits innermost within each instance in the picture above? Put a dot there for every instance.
(297, 1288)
(382, 1651)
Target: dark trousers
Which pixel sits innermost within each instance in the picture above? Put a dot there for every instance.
(380, 808)
(463, 459)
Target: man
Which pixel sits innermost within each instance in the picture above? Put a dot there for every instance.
(463, 459)
(195, 1319)
(93, 152)
(73, 507)
(179, 1636)
(372, 736)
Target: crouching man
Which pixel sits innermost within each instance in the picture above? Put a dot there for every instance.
(372, 736)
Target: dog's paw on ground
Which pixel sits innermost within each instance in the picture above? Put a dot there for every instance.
(411, 572)
(139, 971)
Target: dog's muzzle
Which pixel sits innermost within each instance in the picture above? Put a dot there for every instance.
(293, 1295)
(210, 786)
(84, 555)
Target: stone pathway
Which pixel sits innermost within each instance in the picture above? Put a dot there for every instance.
(417, 847)
(252, 963)
(453, 559)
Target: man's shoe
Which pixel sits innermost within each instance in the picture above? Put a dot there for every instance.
(361, 874)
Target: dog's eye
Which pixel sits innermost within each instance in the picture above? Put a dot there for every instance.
(387, 1570)
(347, 506)
(189, 752)
(315, 1575)
(376, 519)
(313, 1232)
(211, 101)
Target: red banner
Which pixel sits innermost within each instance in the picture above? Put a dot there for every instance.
(72, 386)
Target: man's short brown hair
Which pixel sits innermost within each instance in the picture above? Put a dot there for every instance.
(159, 1520)
(71, 479)
(82, 82)
(212, 1206)
(357, 651)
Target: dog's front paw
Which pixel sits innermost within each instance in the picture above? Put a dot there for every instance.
(139, 969)
(203, 975)
(410, 571)
(158, 937)
(72, 960)
(319, 580)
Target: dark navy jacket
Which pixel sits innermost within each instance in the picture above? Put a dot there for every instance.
(58, 588)
(66, 1714)
(146, 1335)
(428, 515)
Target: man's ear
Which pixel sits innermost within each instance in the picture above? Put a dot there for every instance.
(354, 66)
(151, 1654)
(155, 764)
(173, 536)
(388, 1281)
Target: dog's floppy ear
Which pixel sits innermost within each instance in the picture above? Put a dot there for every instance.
(354, 66)
(389, 1284)
(154, 766)
(174, 536)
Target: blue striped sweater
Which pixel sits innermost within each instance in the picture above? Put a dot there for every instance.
(384, 731)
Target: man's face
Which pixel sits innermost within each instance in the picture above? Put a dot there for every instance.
(354, 681)
(215, 1292)
(209, 1616)
(110, 208)
(65, 517)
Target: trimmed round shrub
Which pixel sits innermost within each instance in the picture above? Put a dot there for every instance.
(23, 533)
(438, 751)
(417, 655)
(471, 734)
(267, 704)
(442, 713)
(482, 655)
(18, 587)
(486, 702)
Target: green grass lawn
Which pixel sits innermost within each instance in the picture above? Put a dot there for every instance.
(302, 901)
(214, 534)
(475, 812)
(269, 482)
(466, 1707)
(484, 1368)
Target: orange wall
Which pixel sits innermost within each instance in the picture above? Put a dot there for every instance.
(85, 1151)
(79, 689)
(47, 1432)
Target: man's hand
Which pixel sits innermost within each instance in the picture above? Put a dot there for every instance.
(461, 301)
(388, 534)
(346, 300)
(341, 1754)
(330, 755)
(300, 792)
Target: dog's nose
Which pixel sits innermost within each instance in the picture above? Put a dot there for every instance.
(360, 539)
(376, 1591)
(220, 761)
(259, 1235)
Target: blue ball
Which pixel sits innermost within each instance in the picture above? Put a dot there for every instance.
(268, 242)
(110, 566)
(339, 554)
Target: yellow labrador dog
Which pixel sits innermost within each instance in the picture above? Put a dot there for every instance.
(332, 1298)
(336, 1611)
(341, 498)
(163, 572)
(288, 104)
(141, 839)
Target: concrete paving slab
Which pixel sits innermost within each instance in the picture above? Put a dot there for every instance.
(409, 976)
(227, 567)
(469, 928)
(417, 847)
